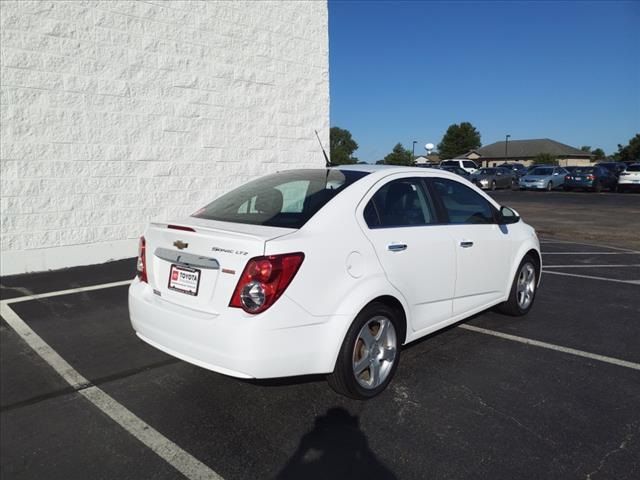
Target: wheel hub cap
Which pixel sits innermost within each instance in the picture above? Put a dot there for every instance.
(526, 285)
(374, 352)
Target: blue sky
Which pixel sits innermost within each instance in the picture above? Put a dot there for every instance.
(404, 71)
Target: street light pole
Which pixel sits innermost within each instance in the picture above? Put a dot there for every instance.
(413, 152)
(506, 145)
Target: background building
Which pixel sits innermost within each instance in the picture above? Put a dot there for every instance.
(116, 113)
(525, 151)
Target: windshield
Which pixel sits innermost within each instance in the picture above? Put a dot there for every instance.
(543, 171)
(284, 199)
(582, 171)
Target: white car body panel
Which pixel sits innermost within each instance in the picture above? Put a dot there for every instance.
(630, 177)
(346, 266)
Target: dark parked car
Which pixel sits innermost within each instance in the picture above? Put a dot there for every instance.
(517, 169)
(492, 178)
(590, 178)
(615, 167)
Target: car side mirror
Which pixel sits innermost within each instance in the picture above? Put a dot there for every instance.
(508, 216)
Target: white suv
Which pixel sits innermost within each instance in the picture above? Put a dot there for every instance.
(629, 178)
(467, 165)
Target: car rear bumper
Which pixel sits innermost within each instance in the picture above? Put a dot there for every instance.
(574, 184)
(235, 343)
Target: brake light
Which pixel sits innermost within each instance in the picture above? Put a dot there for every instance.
(142, 260)
(181, 227)
(590, 177)
(567, 177)
(264, 280)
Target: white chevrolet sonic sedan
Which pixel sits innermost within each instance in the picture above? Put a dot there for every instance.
(329, 271)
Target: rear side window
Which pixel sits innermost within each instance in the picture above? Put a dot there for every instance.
(461, 204)
(633, 168)
(449, 163)
(399, 203)
(285, 199)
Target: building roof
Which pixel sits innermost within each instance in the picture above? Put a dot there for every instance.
(528, 148)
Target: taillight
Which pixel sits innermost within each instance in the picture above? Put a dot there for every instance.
(264, 280)
(567, 177)
(181, 227)
(590, 177)
(142, 260)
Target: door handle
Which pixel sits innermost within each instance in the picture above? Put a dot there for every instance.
(466, 244)
(397, 247)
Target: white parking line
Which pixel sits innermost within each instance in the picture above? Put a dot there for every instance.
(38, 296)
(551, 346)
(171, 453)
(592, 266)
(589, 245)
(591, 277)
(590, 253)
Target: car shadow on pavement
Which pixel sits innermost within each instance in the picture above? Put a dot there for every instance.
(336, 448)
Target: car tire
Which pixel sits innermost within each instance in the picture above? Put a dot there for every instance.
(368, 357)
(493, 185)
(523, 289)
(549, 186)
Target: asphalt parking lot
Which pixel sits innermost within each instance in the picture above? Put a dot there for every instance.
(554, 394)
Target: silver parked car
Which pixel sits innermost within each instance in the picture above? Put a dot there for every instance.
(492, 178)
(543, 178)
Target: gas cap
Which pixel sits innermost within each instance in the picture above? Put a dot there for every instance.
(355, 264)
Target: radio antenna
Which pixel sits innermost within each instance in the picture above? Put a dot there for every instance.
(326, 158)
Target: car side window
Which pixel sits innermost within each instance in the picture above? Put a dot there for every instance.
(399, 203)
(461, 204)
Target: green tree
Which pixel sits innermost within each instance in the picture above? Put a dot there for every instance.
(459, 139)
(629, 152)
(586, 148)
(598, 154)
(399, 156)
(545, 158)
(342, 146)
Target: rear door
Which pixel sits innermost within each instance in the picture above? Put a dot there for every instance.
(415, 251)
(483, 248)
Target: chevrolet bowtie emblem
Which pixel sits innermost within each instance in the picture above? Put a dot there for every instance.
(180, 244)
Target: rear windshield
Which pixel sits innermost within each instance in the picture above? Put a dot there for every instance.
(285, 199)
(583, 170)
(541, 171)
(633, 168)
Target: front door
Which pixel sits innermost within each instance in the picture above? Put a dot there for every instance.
(483, 248)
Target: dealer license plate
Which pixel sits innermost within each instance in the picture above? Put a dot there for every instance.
(184, 279)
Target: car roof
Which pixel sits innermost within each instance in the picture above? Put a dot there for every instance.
(384, 170)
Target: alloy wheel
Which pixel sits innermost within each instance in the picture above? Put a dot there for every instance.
(374, 352)
(526, 285)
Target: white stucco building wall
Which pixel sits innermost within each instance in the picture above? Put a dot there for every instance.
(114, 113)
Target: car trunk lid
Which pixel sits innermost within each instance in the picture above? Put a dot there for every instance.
(196, 262)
